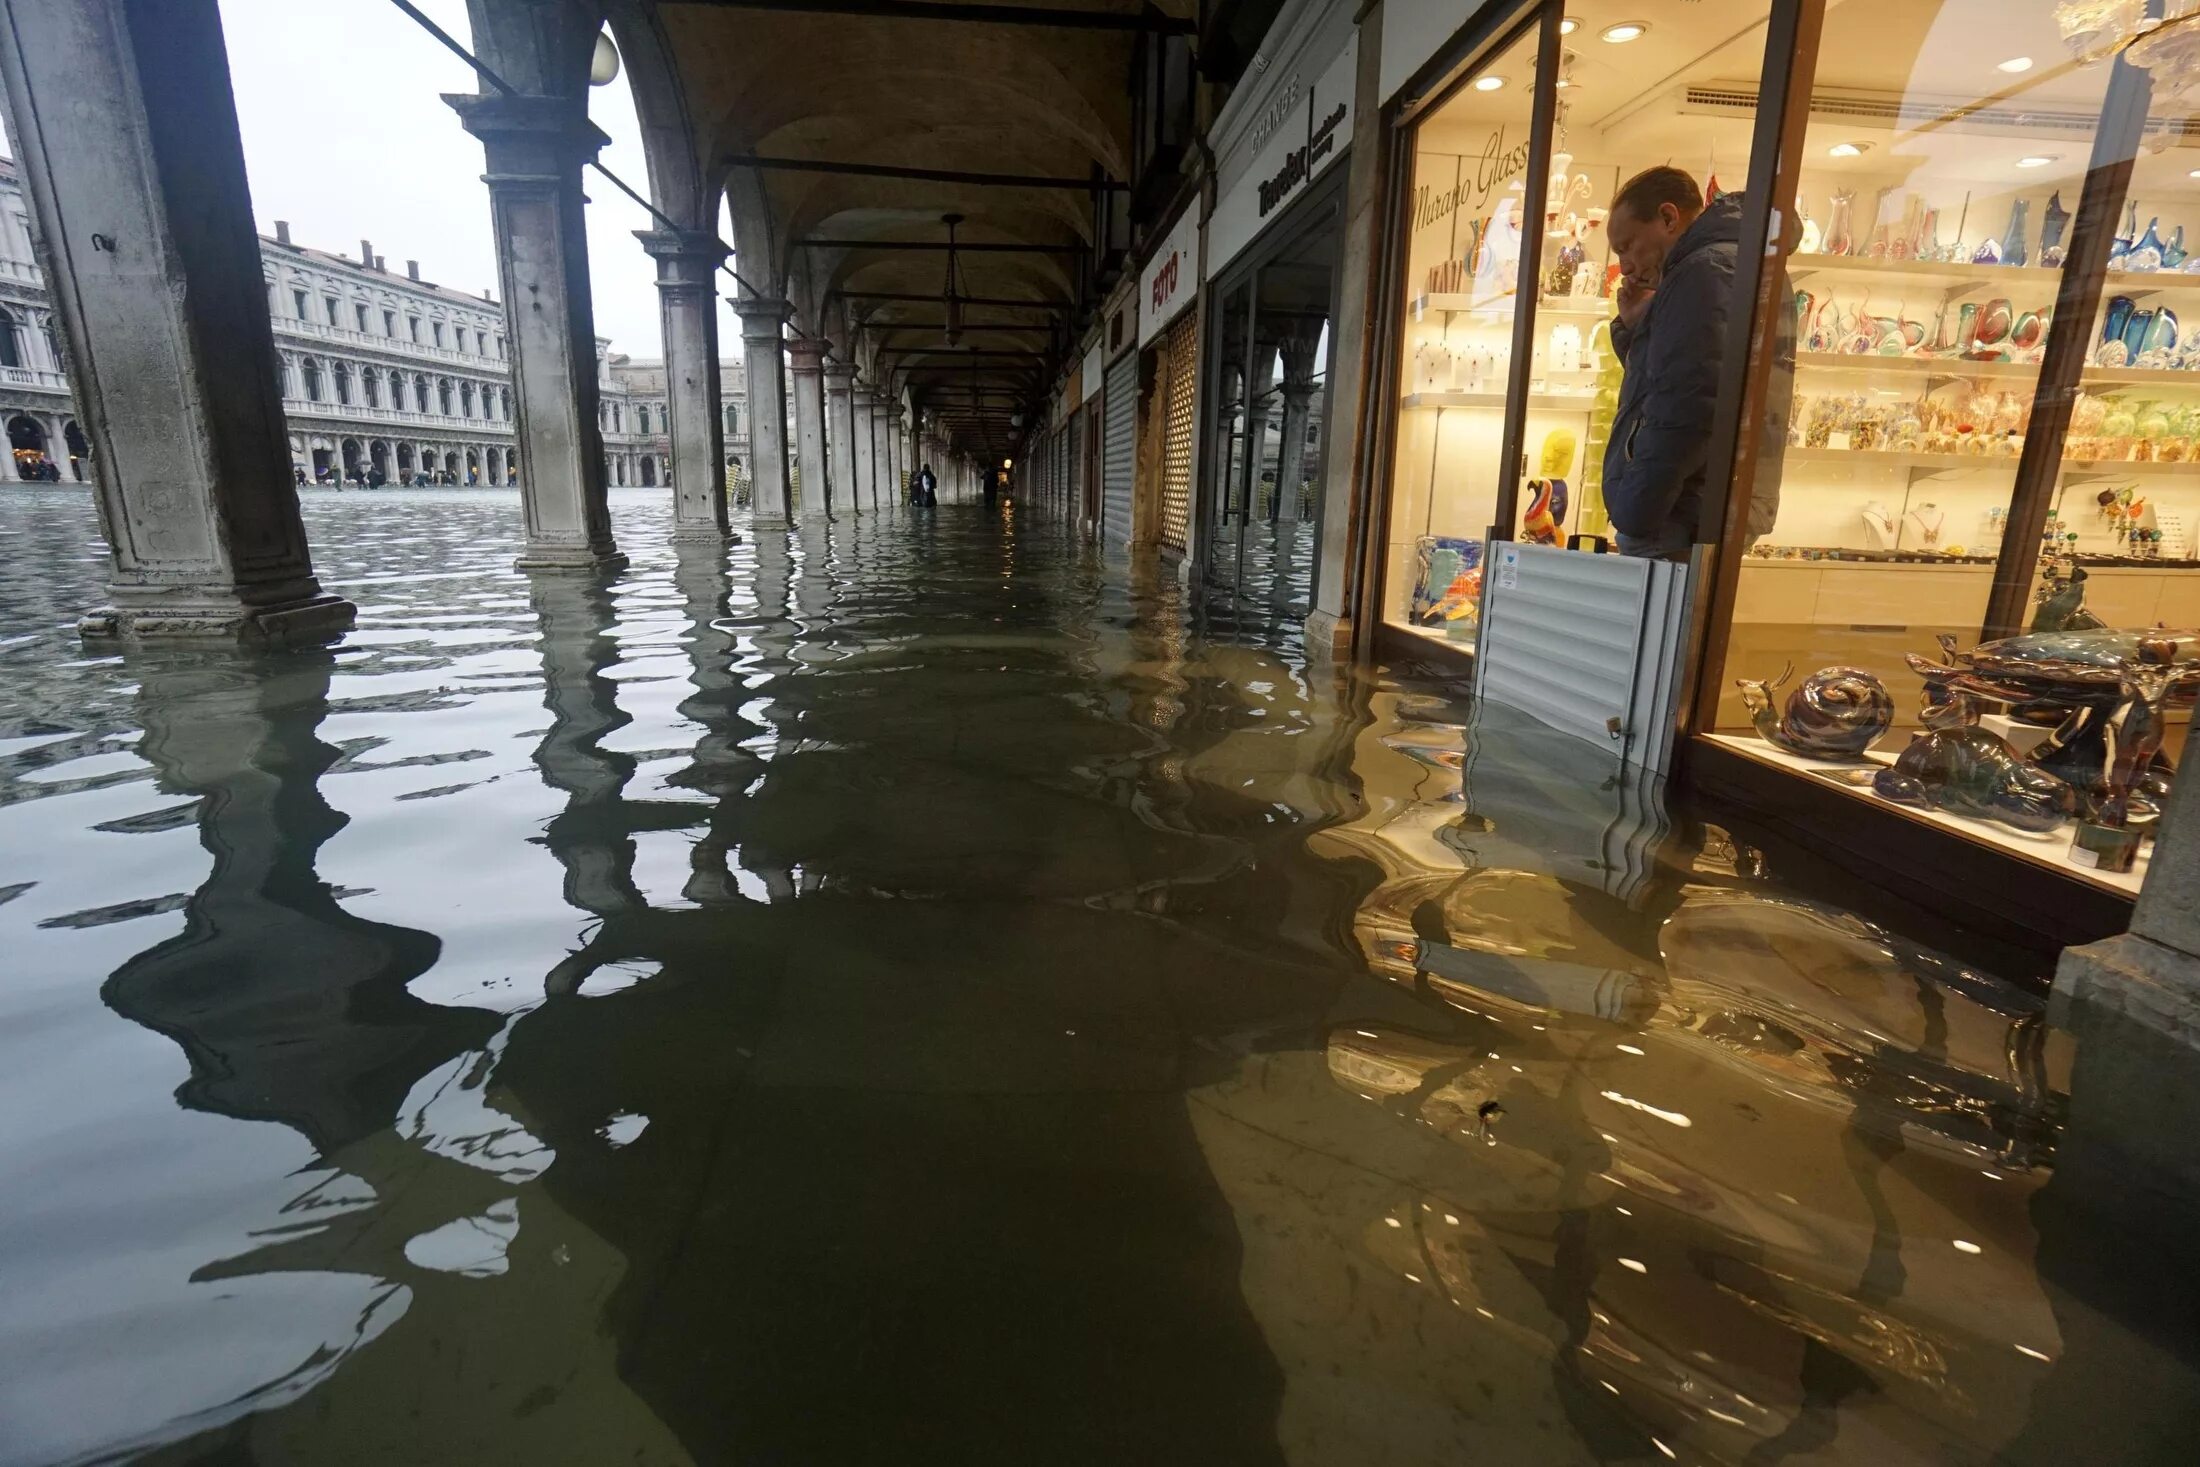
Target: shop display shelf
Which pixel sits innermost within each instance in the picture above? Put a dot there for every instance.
(2139, 377)
(1556, 402)
(1949, 276)
(2005, 463)
(1943, 367)
(2142, 282)
(1591, 308)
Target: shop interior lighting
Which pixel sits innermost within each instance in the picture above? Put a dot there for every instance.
(1848, 150)
(1568, 26)
(1488, 83)
(2037, 160)
(1625, 31)
(2194, 174)
(2016, 64)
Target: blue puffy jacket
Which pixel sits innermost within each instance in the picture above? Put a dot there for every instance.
(1654, 459)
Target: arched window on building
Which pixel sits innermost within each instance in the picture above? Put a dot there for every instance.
(465, 399)
(397, 390)
(641, 418)
(370, 386)
(443, 391)
(437, 327)
(506, 393)
(53, 342)
(733, 421)
(11, 345)
(618, 418)
(420, 394)
(312, 373)
(341, 374)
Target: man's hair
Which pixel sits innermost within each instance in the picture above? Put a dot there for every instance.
(1665, 184)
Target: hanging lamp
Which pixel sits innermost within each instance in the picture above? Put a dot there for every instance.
(953, 299)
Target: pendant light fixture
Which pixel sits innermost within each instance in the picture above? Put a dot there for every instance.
(954, 298)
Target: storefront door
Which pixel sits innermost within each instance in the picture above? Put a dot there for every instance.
(1272, 326)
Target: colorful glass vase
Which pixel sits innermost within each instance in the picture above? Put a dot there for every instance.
(1840, 236)
(2012, 238)
(2121, 246)
(2173, 251)
(2146, 255)
(2054, 219)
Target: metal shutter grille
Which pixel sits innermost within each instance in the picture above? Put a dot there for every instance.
(1118, 449)
(1176, 445)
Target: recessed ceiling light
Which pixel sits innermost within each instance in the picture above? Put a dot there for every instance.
(1488, 83)
(2015, 64)
(1847, 150)
(2037, 160)
(2194, 174)
(1568, 26)
(1625, 31)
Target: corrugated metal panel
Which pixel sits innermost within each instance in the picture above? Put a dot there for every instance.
(1176, 448)
(1076, 482)
(1119, 450)
(1583, 643)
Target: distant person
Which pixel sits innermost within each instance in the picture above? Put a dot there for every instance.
(299, 472)
(927, 489)
(1677, 259)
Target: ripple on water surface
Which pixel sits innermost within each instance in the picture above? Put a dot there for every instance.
(905, 988)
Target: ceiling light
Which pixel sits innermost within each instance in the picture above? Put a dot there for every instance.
(1847, 150)
(1625, 31)
(2038, 160)
(1488, 83)
(2194, 174)
(2016, 64)
(1568, 26)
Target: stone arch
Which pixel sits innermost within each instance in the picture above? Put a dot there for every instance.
(11, 339)
(340, 377)
(649, 471)
(465, 399)
(443, 395)
(450, 463)
(378, 455)
(309, 376)
(405, 459)
(473, 465)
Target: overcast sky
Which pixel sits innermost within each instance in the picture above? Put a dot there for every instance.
(346, 136)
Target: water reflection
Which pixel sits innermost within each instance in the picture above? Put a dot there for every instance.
(904, 987)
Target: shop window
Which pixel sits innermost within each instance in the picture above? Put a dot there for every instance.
(1946, 465)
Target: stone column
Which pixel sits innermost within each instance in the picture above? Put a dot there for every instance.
(1291, 453)
(763, 353)
(806, 374)
(687, 297)
(2149, 977)
(887, 488)
(864, 459)
(840, 436)
(536, 147)
(126, 131)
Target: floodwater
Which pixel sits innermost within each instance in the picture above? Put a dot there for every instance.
(903, 995)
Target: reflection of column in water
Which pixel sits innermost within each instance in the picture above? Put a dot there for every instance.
(590, 838)
(721, 767)
(288, 1007)
(776, 636)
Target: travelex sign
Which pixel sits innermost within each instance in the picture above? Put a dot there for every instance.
(1170, 279)
(1310, 138)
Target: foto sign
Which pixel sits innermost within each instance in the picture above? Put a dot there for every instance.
(1171, 278)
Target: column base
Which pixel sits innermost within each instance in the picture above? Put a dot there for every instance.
(286, 623)
(2135, 979)
(1328, 633)
(704, 535)
(604, 557)
(767, 522)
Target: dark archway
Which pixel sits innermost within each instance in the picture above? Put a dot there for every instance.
(649, 471)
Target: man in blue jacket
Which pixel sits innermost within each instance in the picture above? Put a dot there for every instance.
(1676, 257)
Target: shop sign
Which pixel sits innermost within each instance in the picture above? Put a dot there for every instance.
(1171, 278)
(1095, 372)
(1502, 159)
(1508, 568)
(1311, 137)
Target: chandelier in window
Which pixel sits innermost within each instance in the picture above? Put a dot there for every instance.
(953, 296)
(2159, 36)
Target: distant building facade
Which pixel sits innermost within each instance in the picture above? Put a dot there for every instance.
(384, 375)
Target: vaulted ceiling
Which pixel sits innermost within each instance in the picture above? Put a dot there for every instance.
(933, 105)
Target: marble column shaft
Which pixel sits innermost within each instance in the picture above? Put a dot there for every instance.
(536, 148)
(866, 445)
(840, 437)
(125, 127)
(806, 374)
(687, 293)
(764, 352)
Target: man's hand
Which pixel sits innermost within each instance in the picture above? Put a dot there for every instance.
(1634, 301)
